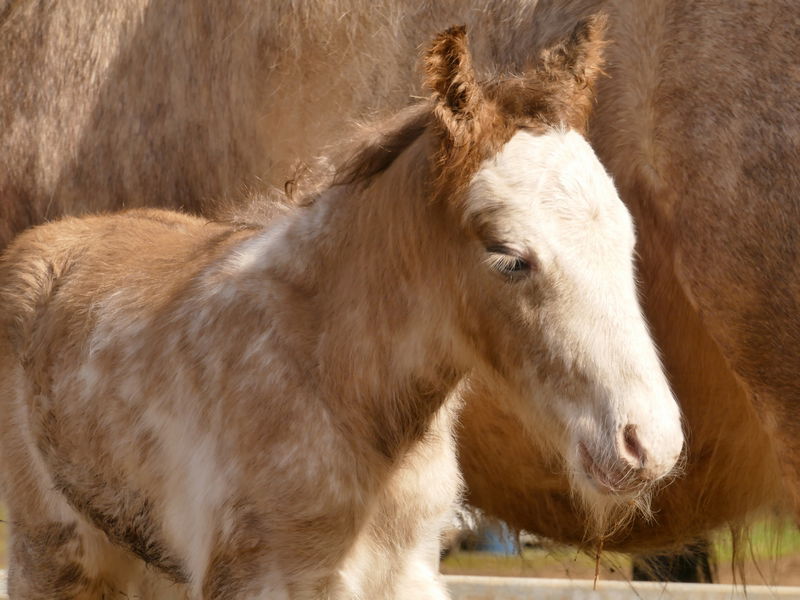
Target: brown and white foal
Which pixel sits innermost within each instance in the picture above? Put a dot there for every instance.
(267, 412)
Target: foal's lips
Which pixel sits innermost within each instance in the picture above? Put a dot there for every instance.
(608, 481)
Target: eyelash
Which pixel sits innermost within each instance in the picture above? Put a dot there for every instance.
(507, 262)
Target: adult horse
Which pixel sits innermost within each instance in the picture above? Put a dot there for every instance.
(268, 411)
(181, 104)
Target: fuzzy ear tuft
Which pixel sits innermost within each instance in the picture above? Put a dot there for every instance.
(574, 65)
(581, 54)
(449, 74)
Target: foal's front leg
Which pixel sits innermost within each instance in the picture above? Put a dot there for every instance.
(241, 581)
(69, 560)
(47, 561)
(419, 576)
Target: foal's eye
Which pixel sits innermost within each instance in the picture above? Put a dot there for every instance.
(508, 262)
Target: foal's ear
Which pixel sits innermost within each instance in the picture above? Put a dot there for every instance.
(577, 61)
(580, 54)
(457, 95)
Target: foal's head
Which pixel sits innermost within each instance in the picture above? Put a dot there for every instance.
(555, 319)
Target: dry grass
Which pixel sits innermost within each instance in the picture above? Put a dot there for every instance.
(564, 563)
(772, 557)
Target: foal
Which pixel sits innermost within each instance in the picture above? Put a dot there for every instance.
(267, 412)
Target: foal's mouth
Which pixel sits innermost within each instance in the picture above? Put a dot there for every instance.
(613, 480)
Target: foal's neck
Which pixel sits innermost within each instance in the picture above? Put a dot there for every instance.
(386, 275)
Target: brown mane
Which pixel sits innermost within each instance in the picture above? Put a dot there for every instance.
(368, 153)
(379, 145)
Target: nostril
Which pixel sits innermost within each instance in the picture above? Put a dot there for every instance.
(632, 446)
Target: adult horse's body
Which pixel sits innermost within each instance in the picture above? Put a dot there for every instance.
(180, 104)
(267, 412)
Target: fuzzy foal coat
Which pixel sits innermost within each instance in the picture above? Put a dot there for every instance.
(267, 412)
(181, 104)
(200, 384)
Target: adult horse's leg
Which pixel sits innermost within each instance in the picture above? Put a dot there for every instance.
(692, 565)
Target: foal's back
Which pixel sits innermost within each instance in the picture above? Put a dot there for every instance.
(96, 255)
(105, 251)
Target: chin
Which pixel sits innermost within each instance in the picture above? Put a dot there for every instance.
(608, 510)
